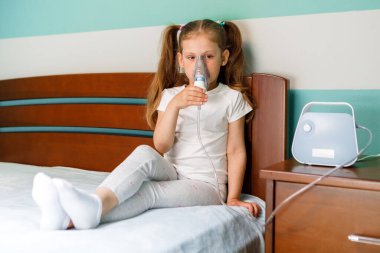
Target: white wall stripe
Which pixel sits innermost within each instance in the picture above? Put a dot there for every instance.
(124, 50)
(320, 51)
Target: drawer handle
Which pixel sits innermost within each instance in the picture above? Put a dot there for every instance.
(364, 239)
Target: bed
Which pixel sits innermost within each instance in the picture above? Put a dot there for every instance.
(80, 126)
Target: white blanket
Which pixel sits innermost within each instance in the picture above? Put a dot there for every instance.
(183, 229)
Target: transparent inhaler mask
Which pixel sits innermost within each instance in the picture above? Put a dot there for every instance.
(200, 73)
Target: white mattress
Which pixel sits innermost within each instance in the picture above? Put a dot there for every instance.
(183, 229)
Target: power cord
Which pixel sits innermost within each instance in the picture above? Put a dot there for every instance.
(367, 157)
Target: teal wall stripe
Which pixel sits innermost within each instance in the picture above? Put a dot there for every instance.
(47, 101)
(92, 130)
(366, 104)
(20, 18)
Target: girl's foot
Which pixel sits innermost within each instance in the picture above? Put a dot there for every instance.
(45, 194)
(83, 208)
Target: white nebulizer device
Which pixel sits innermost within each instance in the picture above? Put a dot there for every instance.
(200, 73)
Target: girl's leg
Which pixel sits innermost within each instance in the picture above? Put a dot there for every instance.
(143, 164)
(85, 209)
(153, 194)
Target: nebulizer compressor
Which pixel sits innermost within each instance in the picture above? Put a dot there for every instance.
(325, 139)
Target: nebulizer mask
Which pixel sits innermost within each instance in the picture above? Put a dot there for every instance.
(200, 73)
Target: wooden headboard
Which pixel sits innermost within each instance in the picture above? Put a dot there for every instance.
(93, 121)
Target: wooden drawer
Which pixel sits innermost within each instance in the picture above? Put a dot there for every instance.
(321, 219)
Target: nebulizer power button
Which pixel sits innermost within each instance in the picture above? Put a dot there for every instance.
(307, 127)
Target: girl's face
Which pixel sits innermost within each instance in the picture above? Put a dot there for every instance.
(213, 57)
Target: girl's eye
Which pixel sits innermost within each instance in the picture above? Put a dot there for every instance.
(209, 56)
(190, 57)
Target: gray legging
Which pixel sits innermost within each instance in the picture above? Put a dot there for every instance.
(146, 180)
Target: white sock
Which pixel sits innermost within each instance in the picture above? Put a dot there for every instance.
(83, 208)
(44, 193)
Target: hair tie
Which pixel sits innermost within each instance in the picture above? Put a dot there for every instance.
(179, 33)
(221, 22)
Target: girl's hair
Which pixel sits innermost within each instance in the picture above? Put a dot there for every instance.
(225, 34)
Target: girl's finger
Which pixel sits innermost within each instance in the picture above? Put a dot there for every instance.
(256, 209)
(246, 205)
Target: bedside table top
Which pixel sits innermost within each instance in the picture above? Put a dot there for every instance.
(362, 175)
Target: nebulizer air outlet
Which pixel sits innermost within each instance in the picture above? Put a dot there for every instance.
(201, 81)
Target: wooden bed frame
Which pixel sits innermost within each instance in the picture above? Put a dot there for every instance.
(93, 121)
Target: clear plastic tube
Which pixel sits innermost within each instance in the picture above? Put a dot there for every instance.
(258, 228)
(209, 158)
(307, 187)
(200, 80)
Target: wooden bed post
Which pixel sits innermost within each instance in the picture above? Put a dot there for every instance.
(266, 134)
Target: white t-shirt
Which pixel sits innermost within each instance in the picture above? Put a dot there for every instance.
(224, 106)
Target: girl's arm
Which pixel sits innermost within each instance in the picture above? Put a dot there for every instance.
(237, 158)
(164, 132)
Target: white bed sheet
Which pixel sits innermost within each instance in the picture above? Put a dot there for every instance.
(183, 229)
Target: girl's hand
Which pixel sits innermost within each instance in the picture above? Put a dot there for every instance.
(191, 95)
(252, 207)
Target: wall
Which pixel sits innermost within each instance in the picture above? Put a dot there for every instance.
(327, 49)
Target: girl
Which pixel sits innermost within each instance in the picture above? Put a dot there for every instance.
(184, 176)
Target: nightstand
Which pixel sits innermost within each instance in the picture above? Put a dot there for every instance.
(320, 220)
